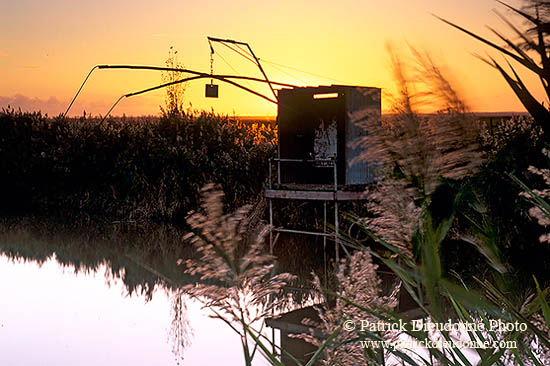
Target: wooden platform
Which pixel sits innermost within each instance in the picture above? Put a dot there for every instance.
(316, 195)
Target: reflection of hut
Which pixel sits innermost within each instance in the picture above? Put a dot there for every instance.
(319, 131)
(292, 323)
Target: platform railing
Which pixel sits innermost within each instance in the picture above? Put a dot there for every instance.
(326, 163)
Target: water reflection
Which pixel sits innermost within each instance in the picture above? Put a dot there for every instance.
(49, 316)
(143, 256)
(97, 293)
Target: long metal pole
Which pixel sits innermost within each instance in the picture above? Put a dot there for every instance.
(263, 72)
(189, 71)
(220, 78)
(270, 173)
(181, 81)
(270, 226)
(317, 233)
(79, 90)
(336, 241)
(193, 72)
(256, 59)
(325, 240)
(213, 39)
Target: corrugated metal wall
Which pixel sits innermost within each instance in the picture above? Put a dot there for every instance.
(363, 110)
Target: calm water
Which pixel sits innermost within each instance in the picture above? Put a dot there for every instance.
(83, 296)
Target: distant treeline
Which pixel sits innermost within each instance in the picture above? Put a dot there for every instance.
(123, 169)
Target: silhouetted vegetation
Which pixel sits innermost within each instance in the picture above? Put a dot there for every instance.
(452, 220)
(528, 47)
(460, 216)
(124, 170)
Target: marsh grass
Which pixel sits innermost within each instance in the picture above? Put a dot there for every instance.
(418, 153)
(128, 170)
(528, 46)
(237, 279)
(470, 305)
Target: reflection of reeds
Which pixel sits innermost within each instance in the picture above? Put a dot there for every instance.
(180, 331)
(139, 256)
(358, 286)
(237, 279)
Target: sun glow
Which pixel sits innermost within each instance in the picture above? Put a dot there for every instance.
(48, 47)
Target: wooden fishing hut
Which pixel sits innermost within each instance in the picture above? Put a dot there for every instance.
(322, 132)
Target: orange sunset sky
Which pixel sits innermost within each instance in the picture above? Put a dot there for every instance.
(48, 47)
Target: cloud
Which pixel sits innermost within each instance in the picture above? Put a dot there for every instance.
(2, 54)
(53, 106)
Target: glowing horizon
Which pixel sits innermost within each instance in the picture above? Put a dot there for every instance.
(48, 47)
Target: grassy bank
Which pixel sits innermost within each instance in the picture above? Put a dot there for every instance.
(127, 170)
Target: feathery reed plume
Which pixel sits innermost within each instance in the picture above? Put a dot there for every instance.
(236, 277)
(496, 138)
(539, 198)
(415, 150)
(394, 214)
(424, 147)
(359, 284)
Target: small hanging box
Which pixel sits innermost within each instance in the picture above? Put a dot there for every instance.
(211, 91)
